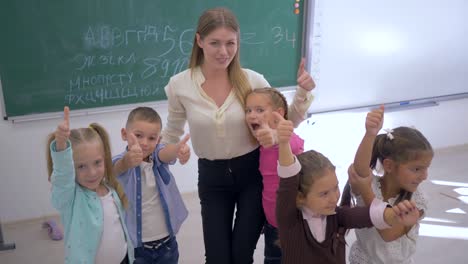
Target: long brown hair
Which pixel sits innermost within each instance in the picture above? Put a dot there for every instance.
(404, 145)
(213, 19)
(314, 165)
(92, 133)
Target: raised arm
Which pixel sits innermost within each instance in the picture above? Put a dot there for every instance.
(132, 158)
(179, 151)
(302, 97)
(63, 172)
(62, 133)
(374, 122)
(284, 131)
(400, 217)
(289, 167)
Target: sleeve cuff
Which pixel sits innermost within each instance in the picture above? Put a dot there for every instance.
(289, 171)
(302, 95)
(377, 210)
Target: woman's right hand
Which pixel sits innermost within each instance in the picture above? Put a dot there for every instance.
(63, 131)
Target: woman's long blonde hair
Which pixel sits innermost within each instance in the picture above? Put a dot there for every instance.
(94, 132)
(213, 19)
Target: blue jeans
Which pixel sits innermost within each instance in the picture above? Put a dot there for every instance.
(167, 253)
(272, 250)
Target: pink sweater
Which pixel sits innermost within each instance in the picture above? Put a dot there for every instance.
(268, 169)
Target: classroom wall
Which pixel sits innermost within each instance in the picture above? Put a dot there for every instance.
(24, 189)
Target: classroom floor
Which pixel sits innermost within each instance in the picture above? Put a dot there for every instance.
(444, 232)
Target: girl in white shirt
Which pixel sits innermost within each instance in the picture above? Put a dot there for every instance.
(210, 97)
(87, 195)
(405, 155)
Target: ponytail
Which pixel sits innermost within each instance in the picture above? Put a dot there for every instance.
(110, 177)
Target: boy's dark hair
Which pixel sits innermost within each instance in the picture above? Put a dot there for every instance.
(144, 113)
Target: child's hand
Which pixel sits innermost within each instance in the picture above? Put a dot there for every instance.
(63, 131)
(265, 135)
(374, 121)
(407, 213)
(183, 155)
(284, 128)
(360, 185)
(134, 155)
(304, 80)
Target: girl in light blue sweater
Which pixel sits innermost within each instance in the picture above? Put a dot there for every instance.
(87, 195)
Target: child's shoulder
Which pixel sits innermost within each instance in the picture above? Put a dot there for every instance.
(119, 156)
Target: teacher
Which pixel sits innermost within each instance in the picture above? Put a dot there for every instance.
(210, 96)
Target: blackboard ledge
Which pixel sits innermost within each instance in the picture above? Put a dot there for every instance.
(84, 112)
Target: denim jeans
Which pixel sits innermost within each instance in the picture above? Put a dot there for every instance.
(167, 253)
(272, 250)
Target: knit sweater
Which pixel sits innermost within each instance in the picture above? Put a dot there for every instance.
(297, 242)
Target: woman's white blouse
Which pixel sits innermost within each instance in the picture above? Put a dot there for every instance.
(216, 132)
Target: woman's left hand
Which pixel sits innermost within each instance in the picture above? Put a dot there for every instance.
(304, 80)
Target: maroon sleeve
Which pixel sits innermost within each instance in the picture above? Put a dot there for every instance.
(286, 209)
(355, 217)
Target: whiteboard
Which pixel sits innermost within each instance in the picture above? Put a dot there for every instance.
(370, 52)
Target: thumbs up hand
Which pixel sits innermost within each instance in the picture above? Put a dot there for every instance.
(63, 131)
(285, 128)
(183, 153)
(304, 80)
(265, 135)
(374, 121)
(134, 155)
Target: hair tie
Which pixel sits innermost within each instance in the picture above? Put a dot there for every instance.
(389, 133)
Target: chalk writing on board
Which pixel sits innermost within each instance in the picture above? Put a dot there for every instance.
(105, 70)
(88, 61)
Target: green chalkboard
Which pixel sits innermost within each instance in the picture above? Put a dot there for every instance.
(95, 53)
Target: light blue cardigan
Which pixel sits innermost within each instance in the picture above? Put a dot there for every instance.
(80, 210)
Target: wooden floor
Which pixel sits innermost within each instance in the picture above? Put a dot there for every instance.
(444, 233)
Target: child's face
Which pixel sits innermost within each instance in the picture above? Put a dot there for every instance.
(409, 175)
(89, 164)
(258, 111)
(147, 134)
(323, 195)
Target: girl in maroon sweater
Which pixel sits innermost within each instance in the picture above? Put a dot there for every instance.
(311, 226)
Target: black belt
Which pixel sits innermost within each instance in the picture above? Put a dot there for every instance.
(156, 243)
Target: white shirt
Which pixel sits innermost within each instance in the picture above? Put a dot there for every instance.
(153, 223)
(113, 246)
(370, 248)
(216, 132)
